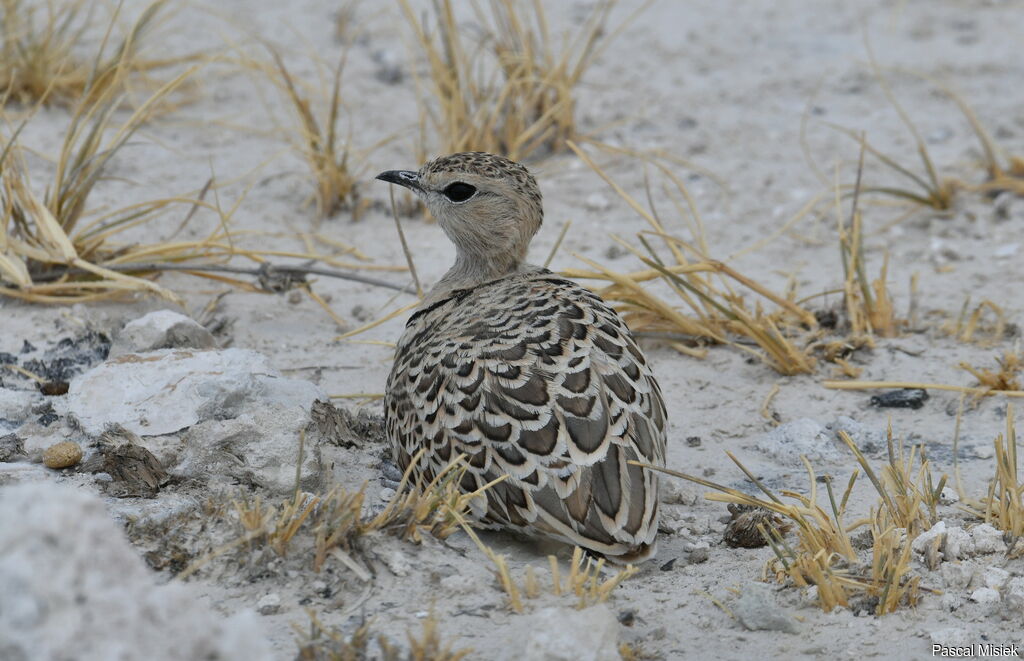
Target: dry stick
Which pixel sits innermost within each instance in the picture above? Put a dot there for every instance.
(59, 273)
(405, 246)
(873, 385)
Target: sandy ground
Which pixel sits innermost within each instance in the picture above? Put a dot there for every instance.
(723, 85)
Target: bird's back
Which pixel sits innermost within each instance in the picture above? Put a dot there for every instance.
(536, 377)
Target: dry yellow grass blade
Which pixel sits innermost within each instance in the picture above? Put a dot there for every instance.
(510, 91)
(322, 644)
(977, 326)
(41, 52)
(711, 292)
(1002, 506)
(324, 146)
(584, 580)
(1005, 378)
(824, 555)
(868, 304)
(881, 385)
(1005, 174)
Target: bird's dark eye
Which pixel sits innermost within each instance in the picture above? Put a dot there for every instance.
(459, 192)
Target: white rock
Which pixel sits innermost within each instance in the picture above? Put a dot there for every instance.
(567, 634)
(958, 544)
(757, 609)
(1013, 596)
(397, 562)
(951, 601)
(957, 574)
(72, 585)
(459, 584)
(995, 578)
(983, 451)
(803, 436)
(674, 493)
(261, 447)
(168, 390)
(952, 637)
(924, 541)
(162, 329)
(1006, 250)
(985, 596)
(16, 407)
(269, 604)
(987, 539)
(864, 437)
(597, 202)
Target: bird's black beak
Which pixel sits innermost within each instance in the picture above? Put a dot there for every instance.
(407, 178)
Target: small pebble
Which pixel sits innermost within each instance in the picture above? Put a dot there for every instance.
(597, 202)
(985, 596)
(699, 555)
(269, 604)
(62, 455)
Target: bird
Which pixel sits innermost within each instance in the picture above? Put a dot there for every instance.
(526, 374)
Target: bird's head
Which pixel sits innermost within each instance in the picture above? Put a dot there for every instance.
(489, 206)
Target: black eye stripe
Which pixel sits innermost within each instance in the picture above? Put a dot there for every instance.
(459, 191)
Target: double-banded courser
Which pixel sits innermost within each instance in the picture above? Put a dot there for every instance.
(526, 373)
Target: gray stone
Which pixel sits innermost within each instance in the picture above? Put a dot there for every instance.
(567, 634)
(952, 637)
(958, 544)
(757, 610)
(925, 540)
(11, 448)
(995, 578)
(162, 329)
(71, 583)
(985, 596)
(987, 539)
(259, 447)
(165, 391)
(867, 439)
(957, 575)
(269, 604)
(16, 407)
(803, 436)
(1013, 597)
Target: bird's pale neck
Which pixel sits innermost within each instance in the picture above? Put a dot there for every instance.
(472, 269)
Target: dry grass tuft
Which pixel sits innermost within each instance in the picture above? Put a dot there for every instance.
(512, 90)
(41, 59)
(322, 644)
(1003, 507)
(984, 325)
(335, 521)
(824, 555)
(584, 581)
(1005, 378)
(868, 303)
(47, 253)
(1001, 178)
(713, 294)
(1003, 504)
(929, 190)
(325, 148)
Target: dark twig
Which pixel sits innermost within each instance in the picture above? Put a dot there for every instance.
(296, 273)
